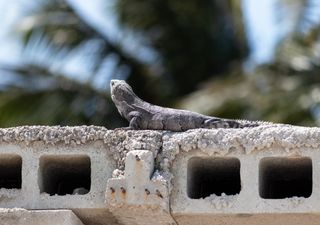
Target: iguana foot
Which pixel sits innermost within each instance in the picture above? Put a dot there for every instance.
(221, 123)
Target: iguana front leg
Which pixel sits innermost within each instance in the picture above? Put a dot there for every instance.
(135, 120)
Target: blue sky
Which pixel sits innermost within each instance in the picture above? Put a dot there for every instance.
(9, 12)
(261, 30)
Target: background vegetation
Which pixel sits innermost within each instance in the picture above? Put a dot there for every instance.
(191, 55)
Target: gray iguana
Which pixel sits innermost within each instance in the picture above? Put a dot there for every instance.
(143, 115)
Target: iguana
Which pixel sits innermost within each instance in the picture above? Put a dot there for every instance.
(143, 115)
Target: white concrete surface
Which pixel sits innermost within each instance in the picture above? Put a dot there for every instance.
(255, 176)
(38, 217)
(136, 198)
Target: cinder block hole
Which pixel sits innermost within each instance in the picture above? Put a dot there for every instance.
(285, 177)
(10, 171)
(67, 174)
(206, 176)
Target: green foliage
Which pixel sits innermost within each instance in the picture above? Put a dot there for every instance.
(64, 102)
(58, 21)
(263, 96)
(196, 39)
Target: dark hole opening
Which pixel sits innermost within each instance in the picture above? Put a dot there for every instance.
(10, 171)
(63, 175)
(284, 177)
(208, 176)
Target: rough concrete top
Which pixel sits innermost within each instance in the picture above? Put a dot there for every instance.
(52, 135)
(169, 144)
(117, 142)
(242, 141)
(249, 139)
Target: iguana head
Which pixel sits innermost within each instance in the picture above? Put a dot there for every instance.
(121, 92)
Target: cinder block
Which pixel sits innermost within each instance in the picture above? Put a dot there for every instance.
(54, 167)
(212, 186)
(39, 179)
(135, 198)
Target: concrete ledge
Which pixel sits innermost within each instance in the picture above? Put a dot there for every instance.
(251, 219)
(160, 177)
(38, 217)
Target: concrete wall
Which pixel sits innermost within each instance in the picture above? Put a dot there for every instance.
(223, 176)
